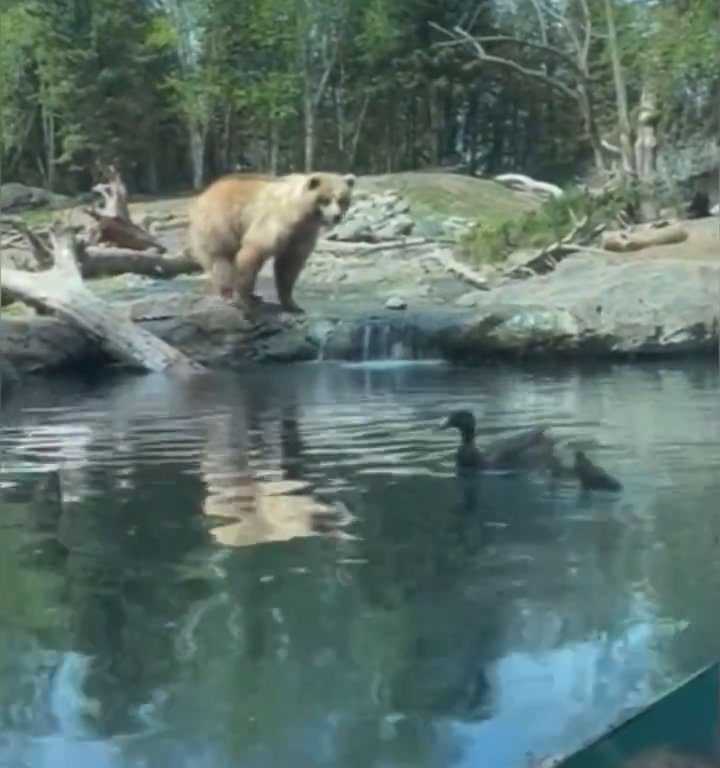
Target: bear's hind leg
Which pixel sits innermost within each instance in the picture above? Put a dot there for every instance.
(223, 278)
(288, 267)
(248, 263)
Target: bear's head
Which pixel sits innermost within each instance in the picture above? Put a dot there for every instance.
(331, 195)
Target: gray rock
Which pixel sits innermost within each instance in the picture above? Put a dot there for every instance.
(470, 299)
(610, 306)
(589, 306)
(37, 344)
(456, 227)
(397, 226)
(16, 197)
(351, 229)
(429, 228)
(396, 302)
(9, 379)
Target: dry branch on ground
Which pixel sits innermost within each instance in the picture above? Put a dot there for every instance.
(662, 233)
(112, 221)
(62, 291)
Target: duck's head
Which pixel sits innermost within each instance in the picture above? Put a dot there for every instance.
(463, 421)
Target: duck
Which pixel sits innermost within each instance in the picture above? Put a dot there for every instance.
(528, 449)
(592, 477)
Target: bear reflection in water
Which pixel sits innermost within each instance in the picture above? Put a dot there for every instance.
(256, 509)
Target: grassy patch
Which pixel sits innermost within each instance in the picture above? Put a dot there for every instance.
(38, 217)
(550, 222)
(441, 195)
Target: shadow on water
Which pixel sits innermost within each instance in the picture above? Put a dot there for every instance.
(282, 568)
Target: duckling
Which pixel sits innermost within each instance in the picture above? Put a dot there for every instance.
(592, 477)
(529, 449)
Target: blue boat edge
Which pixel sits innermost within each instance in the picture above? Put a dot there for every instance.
(684, 721)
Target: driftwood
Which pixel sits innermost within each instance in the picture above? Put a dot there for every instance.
(39, 251)
(113, 223)
(115, 196)
(96, 261)
(125, 234)
(325, 245)
(526, 184)
(546, 259)
(626, 241)
(463, 271)
(61, 290)
(101, 261)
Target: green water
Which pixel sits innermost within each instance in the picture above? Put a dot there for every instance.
(281, 568)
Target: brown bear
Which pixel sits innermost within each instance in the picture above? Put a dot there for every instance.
(241, 221)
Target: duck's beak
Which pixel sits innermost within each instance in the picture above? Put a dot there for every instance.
(445, 424)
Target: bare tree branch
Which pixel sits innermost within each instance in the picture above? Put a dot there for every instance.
(519, 41)
(482, 55)
(541, 21)
(585, 50)
(563, 21)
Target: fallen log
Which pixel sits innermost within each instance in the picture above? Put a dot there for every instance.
(626, 241)
(61, 290)
(100, 261)
(526, 184)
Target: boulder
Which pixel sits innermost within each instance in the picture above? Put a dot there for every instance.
(9, 379)
(601, 306)
(17, 197)
(598, 305)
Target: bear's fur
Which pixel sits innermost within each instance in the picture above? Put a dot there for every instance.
(241, 221)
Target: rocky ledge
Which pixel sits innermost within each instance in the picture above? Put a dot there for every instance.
(590, 306)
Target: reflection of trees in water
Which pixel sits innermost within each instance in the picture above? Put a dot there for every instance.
(125, 565)
(308, 654)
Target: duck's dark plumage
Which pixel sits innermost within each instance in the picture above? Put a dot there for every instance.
(529, 449)
(592, 477)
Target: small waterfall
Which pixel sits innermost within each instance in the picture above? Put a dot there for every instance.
(382, 341)
(68, 703)
(389, 337)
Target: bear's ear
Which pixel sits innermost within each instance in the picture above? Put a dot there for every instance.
(314, 182)
(350, 179)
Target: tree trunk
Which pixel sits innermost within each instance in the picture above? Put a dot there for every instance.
(197, 156)
(62, 291)
(274, 148)
(355, 141)
(435, 125)
(152, 174)
(340, 118)
(587, 110)
(309, 117)
(646, 152)
(624, 131)
(48, 129)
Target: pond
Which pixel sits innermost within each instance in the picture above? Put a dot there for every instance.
(280, 568)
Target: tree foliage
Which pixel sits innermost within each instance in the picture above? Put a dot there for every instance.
(178, 91)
